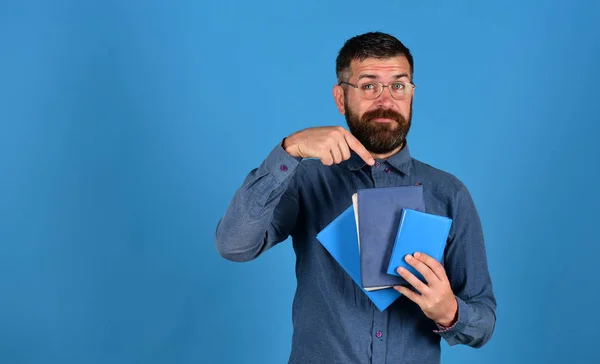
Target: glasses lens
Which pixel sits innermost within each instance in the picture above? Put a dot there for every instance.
(399, 89)
(369, 90)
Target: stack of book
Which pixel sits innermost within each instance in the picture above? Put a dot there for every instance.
(371, 238)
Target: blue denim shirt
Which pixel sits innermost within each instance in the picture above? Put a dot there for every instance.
(333, 320)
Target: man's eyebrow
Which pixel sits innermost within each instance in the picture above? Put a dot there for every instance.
(373, 77)
(366, 75)
(401, 75)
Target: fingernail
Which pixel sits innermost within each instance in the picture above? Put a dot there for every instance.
(401, 270)
(417, 255)
(408, 257)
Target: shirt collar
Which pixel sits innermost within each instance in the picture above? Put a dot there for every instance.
(401, 161)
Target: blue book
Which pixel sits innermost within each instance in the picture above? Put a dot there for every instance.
(419, 232)
(379, 211)
(340, 238)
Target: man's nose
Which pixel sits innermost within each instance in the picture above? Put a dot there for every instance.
(385, 100)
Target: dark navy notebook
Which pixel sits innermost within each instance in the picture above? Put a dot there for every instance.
(379, 211)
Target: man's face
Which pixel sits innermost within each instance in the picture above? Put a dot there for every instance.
(381, 124)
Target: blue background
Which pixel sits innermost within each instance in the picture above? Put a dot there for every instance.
(127, 126)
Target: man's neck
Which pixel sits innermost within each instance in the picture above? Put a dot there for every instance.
(387, 155)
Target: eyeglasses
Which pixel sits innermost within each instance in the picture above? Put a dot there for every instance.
(370, 90)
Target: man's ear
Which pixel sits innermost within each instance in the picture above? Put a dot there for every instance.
(338, 96)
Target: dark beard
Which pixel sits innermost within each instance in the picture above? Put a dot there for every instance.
(379, 138)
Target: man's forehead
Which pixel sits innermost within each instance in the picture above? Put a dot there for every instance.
(397, 64)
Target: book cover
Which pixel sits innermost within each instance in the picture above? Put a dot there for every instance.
(340, 238)
(418, 232)
(355, 206)
(379, 211)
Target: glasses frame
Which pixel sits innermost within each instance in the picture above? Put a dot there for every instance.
(382, 86)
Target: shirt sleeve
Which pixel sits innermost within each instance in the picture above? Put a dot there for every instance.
(467, 269)
(263, 210)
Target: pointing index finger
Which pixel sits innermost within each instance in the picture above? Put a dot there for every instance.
(360, 149)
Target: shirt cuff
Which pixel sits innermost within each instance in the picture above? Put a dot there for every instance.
(461, 320)
(280, 163)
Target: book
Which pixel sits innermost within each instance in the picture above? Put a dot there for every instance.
(419, 232)
(355, 205)
(340, 238)
(379, 211)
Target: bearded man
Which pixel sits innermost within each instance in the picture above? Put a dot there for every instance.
(309, 178)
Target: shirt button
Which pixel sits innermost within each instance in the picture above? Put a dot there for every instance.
(387, 170)
(379, 334)
(283, 167)
(377, 164)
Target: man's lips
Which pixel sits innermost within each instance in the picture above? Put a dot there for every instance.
(383, 120)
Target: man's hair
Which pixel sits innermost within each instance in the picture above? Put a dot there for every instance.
(369, 45)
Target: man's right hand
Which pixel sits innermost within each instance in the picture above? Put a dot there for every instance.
(330, 144)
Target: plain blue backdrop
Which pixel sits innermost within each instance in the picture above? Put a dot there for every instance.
(126, 127)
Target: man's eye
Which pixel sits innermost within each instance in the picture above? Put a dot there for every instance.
(398, 85)
(368, 86)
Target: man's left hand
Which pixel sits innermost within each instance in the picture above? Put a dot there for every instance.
(436, 299)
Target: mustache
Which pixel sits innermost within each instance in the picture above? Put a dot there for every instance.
(383, 113)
